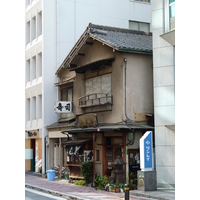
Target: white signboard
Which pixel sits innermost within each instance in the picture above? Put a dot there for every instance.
(63, 107)
(88, 155)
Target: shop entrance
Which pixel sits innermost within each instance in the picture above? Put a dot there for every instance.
(33, 159)
(134, 165)
(113, 147)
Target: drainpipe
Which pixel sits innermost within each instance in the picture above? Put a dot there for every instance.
(127, 160)
(45, 153)
(125, 61)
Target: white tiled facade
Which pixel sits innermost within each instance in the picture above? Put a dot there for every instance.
(51, 28)
(164, 96)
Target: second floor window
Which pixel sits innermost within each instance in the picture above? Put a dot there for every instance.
(66, 94)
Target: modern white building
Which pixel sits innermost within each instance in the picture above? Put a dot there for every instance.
(163, 29)
(52, 28)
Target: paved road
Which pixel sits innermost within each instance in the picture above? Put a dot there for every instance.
(36, 195)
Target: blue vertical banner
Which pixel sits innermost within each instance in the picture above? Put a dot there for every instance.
(146, 151)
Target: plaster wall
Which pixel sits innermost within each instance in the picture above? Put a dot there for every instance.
(139, 84)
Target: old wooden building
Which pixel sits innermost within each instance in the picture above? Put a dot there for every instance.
(108, 79)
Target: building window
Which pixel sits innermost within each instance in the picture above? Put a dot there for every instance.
(97, 156)
(39, 24)
(39, 65)
(27, 32)
(169, 15)
(33, 111)
(33, 68)
(67, 94)
(145, 1)
(27, 70)
(33, 28)
(139, 26)
(172, 14)
(39, 109)
(28, 109)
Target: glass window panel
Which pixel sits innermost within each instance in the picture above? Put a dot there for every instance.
(171, 1)
(172, 11)
(144, 27)
(133, 25)
(69, 97)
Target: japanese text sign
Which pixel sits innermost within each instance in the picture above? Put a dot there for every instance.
(146, 152)
(63, 107)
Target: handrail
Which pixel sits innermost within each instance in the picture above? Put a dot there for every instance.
(92, 94)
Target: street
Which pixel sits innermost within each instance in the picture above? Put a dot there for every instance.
(31, 194)
(36, 195)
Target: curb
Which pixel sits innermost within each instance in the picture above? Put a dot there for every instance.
(53, 192)
(149, 196)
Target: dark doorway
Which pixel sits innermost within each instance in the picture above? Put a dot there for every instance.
(33, 159)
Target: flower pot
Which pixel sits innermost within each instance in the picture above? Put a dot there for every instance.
(117, 190)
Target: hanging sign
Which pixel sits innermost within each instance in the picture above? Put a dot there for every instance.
(63, 107)
(146, 152)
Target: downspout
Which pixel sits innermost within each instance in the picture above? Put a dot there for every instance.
(45, 149)
(125, 61)
(127, 160)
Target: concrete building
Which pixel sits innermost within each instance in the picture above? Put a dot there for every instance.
(52, 28)
(163, 29)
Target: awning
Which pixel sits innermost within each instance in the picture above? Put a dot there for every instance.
(117, 127)
(73, 146)
(76, 142)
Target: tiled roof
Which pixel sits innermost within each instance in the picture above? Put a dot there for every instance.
(122, 39)
(60, 125)
(117, 38)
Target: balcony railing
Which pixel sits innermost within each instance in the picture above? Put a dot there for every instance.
(95, 99)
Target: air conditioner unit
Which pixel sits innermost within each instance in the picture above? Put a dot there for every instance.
(88, 155)
(62, 106)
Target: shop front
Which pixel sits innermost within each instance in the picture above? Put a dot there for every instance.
(102, 144)
(33, 151)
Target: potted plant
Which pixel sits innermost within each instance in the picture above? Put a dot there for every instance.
(101, 181)
(111, 186)
(117, 190)
(133, 181)
(121, 186)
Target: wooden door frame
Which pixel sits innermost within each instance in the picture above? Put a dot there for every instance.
(113, 146)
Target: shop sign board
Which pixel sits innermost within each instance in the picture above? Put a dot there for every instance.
(63, 107)
(87, 120)
(146, 152)
(32, 134)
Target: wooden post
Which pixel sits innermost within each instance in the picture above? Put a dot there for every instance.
(94, 159)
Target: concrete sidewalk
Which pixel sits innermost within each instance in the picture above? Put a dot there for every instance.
(60, 187)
